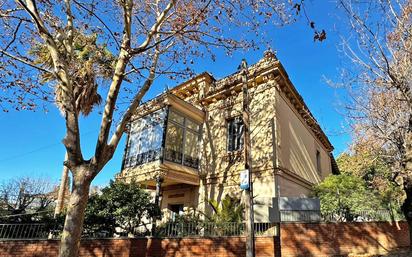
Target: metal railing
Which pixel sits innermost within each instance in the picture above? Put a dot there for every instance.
(364, 216)
(212, 229)
(198, 228)
(265, 229)
(206, 229)
(304, 216)
(24, 231)
(359, 216)
(169, 229)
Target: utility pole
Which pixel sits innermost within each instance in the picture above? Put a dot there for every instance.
(250, 234)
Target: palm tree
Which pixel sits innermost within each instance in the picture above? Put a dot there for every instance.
(227, 217)
(93, 62)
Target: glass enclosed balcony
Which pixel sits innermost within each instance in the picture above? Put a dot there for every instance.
(145, 139)
(168, 135)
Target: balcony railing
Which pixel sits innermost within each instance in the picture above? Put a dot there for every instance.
(179, 158)
(154, 155)
(149, 156)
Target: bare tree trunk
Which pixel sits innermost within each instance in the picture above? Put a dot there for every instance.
(407, 208)
(407, 186)
(63, 189)
(73, 226)
(407, 181)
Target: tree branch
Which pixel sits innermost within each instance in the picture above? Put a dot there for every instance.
(154, 30)
(72, 138)
(114, 89)
(68, 42)
(114, 141)
(26, 62)
(100, 20)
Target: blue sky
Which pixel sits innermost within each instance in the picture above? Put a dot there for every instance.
(31, 141)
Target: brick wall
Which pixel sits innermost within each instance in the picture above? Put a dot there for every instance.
(342, 239)
(298, 239)
(134, 247)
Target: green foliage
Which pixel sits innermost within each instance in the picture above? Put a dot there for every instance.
(225, 220)
(96, 219)
(345, 195)
(230, 210)
(225, 216)
(119, 205)
(188, 223)
(376, 174)
(364, 165)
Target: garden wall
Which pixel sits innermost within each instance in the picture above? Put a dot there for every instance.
(141, 247)
(297, 239)
(343, 239)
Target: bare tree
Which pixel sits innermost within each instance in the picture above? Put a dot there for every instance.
(22, 196)
(379, 51)
(71, 52)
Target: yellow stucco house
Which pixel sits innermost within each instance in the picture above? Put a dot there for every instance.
(189, 141)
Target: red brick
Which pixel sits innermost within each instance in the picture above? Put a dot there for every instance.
(297, 239)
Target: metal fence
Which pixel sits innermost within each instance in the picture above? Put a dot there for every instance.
(359, 216)
(302, 216)
(212, 229)
(169, 229)
(198, 228)
(24, 231)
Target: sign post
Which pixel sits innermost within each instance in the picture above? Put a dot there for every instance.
(250, 234)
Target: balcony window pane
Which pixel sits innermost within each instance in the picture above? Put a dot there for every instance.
(192, 125)
(173, 116)
(132, 151)
(174, 143)
(191, 149)
(145, 139)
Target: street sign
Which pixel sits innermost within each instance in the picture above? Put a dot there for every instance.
(244, 180)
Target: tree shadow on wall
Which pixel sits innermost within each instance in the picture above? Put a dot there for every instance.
(222, 168)
(162, 247)
(186, 247)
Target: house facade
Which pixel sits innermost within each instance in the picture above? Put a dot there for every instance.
(188, 143)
